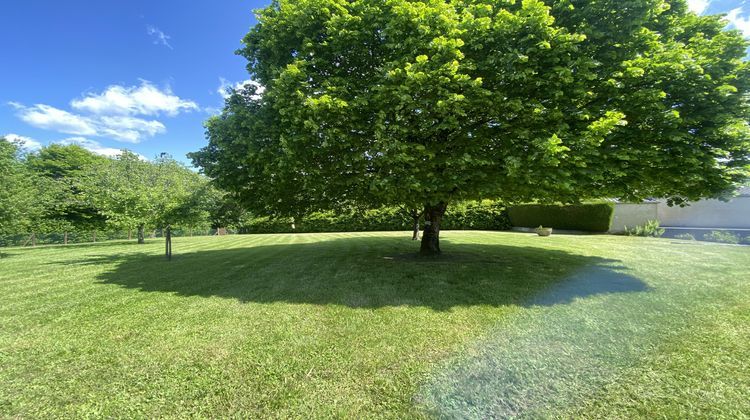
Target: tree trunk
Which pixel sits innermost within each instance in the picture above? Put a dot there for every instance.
(415, 215)
(94, 236)
(130, 234)
(433, 215)
(33, 239)
(65, 238)
(141, 239)
(415, 235)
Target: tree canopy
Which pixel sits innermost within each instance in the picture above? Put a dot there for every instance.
(13, 192)
(420, 103)
(61, 189)
(60, 168)
(134, 193)
(27, 199)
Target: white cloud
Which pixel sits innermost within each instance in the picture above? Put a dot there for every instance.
(115, 113)
(129, 129)
(739, 22)
(225, 85)
(698, 6)
(25, 142)
(212, 110)
(158, 37)
(145, 99)
(93, 146)
(51, 118)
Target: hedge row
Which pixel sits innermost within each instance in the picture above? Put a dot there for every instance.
(583, 217)
(477, 215)
(484, 215)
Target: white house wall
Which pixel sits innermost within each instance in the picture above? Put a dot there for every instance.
(734, 214)
(631, 215)
(708, 214)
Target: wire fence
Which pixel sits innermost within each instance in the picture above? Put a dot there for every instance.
(31, 239)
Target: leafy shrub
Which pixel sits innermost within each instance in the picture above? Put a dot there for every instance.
(585, 217)
(722, 237)
(476, 215)
(685, 237)
(472, 215)
(651, 228)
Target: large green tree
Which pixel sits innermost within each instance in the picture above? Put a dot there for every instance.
(421, 103)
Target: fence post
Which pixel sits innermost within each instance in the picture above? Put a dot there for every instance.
(168, 242)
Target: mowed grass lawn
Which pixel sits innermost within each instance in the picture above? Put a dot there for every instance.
(353, 325)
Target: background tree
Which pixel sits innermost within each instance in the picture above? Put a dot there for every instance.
(123, 190)
(224, 210)
(13, 194)
(25, 197)
(420, 104)
(182, 197)
(63, 166)
(134, 193)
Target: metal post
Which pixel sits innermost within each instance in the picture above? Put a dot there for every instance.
(168, 243)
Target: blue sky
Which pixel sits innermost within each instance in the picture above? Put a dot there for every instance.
(141, 75)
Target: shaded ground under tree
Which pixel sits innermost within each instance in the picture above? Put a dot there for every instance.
(348, 272)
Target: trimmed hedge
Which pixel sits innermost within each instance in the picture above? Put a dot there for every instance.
(484, 215)
(476, 215)
(584, 217)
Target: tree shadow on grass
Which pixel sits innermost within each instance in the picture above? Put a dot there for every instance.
(374, 272)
